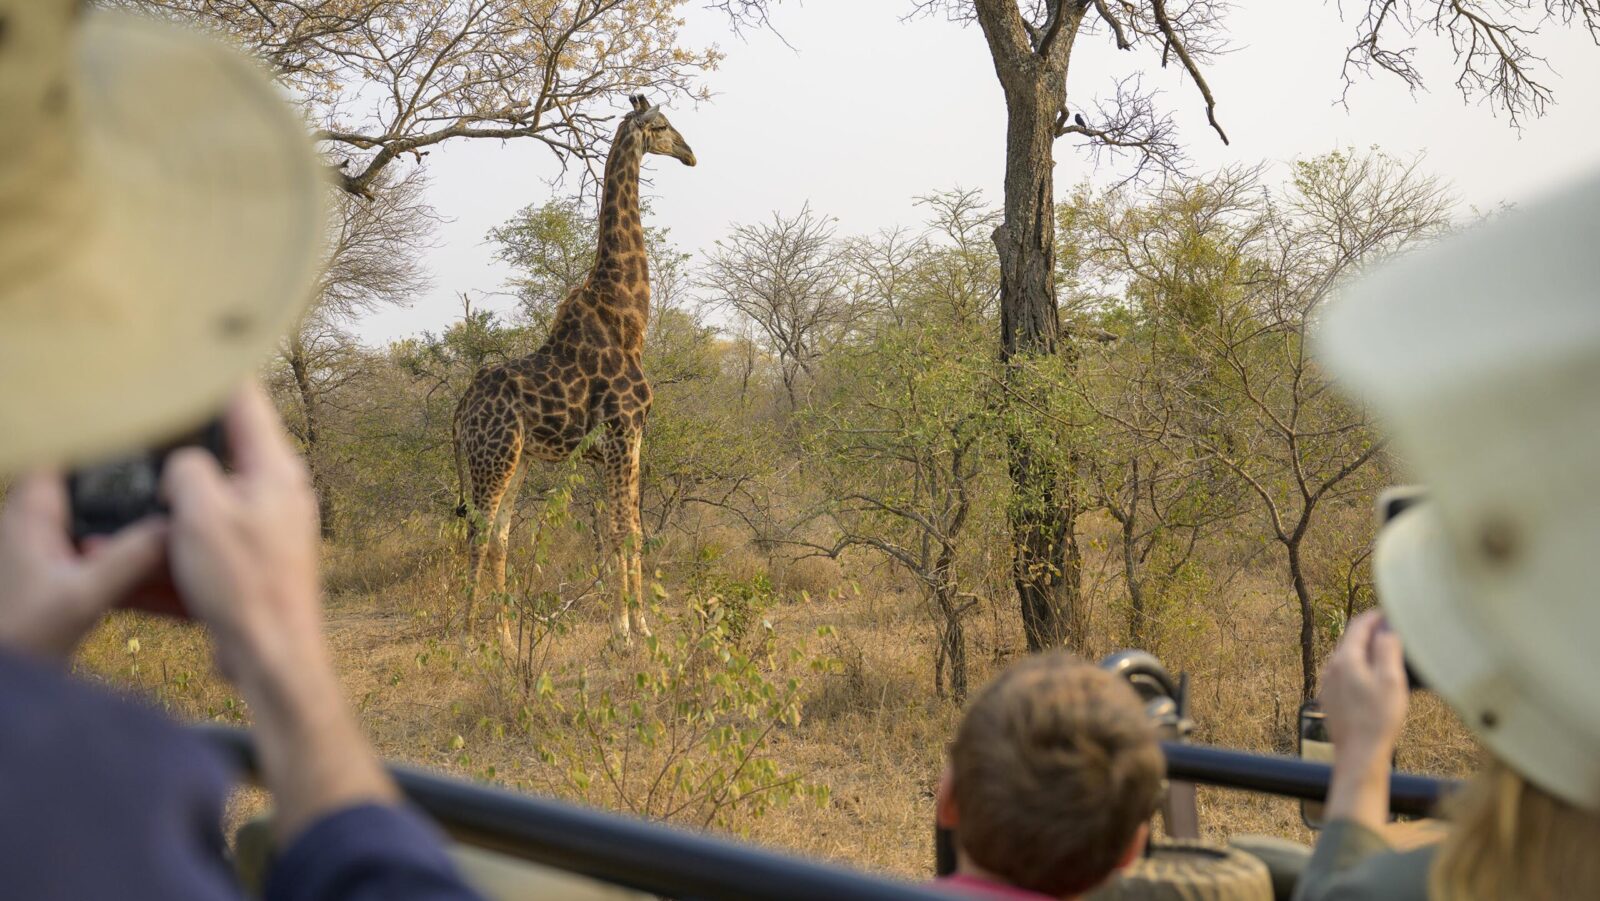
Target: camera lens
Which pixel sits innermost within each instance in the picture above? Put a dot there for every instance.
(111, 495)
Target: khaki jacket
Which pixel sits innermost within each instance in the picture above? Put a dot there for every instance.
(1352, 862)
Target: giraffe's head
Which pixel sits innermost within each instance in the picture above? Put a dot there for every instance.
(659, 135)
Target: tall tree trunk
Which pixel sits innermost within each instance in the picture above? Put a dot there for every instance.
(1128, 519)
(953, 651)
(1045, 563)
(790, 374)
(1031, 62)
(300, 366)
(1302, 593)
(953, 637)
(1138, 621)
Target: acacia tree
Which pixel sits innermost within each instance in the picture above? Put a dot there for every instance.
(904, 427)
(1031, 47)
(1160, 270)
(882, 267)
(552, 245)
(789, 276)
(372, 262)
(960, 277)
(1235, 277)
(904, 443)
(1163, 499)
(386, 78)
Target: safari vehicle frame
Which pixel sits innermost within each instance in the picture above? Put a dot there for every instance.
(668, 861)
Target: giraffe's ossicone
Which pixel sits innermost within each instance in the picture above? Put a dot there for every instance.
(585, 379)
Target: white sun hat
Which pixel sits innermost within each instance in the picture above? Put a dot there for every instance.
(1482, 356)
(161, 223)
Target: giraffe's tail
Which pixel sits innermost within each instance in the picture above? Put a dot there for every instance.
(461, 471)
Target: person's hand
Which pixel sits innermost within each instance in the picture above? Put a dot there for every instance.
(50, 593)
(1364, 691)
(1364, 695)
(244, 545)
(243, 549)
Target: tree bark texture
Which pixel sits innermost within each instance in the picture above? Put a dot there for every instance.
(952, 657)
(300, 367)
(1308, 635)
(1031, 64)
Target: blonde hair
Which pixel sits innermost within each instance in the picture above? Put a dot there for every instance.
(1512, 841)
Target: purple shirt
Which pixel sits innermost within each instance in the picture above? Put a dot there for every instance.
(105, 797)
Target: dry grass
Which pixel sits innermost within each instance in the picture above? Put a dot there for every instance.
(872, 729)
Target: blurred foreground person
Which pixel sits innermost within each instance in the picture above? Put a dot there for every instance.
(161, 221)
(1483, 355)
(1053, 776)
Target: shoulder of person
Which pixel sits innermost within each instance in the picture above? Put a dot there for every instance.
(1352, 862)
(971, 887)
(66, 725)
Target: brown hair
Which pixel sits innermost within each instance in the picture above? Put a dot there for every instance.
(1054, 768)
(1510, 840)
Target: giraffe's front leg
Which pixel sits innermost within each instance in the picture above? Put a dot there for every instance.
(621, 464)
(633, 597)
(633, 538)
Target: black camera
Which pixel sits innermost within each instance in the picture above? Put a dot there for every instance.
(108, 496)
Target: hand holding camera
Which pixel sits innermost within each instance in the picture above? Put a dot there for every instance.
(54, 591)
(168, 531)
(113, 496)
(1364, 691)
(1365, 696)
(244, 543)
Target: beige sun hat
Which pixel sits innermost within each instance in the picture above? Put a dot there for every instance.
(1482, 354)
(161, 223)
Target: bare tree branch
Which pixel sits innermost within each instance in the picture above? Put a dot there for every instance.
(1178, 43)
(789, 276)
(1489, 38)
(1129, 123)
(1115, 23)
(393, 77)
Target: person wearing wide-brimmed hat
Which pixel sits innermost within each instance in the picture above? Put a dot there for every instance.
(161, 223)
(1483, 355)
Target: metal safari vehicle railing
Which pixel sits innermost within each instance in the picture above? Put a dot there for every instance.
(664, 860)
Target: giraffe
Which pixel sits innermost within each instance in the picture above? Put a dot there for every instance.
(585, 379)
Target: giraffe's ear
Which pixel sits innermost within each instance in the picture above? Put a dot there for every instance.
(639, 103)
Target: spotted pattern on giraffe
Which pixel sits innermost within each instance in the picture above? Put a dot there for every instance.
(587, 378)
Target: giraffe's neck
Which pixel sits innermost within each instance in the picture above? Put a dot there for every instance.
(620, 252)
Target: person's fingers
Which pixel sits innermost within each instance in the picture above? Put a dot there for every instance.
(115, 566)
(193, 484)
(257, 442)
(35, 515)
(1357, 641)
(1388, 656)
(38, 499)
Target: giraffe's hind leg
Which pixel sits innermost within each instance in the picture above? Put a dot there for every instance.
(502, 540)
(492, 456)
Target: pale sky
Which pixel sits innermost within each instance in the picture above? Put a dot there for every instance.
(868, 110)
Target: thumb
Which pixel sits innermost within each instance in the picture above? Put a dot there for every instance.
(114, 567)
(1388, 656)
(194, 485)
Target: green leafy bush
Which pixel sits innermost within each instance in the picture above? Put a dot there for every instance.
(685, 732)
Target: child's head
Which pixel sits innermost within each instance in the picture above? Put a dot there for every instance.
(1054, 772)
